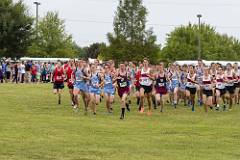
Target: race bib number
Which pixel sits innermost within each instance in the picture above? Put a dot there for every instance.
(220, 86)
(207, 86)
(107, 81)
(123, 84)
(59, 78)
(160, 84)
(144, 81)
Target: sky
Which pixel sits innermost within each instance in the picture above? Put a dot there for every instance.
(90, 20)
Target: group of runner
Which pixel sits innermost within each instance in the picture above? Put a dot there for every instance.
(214, 85)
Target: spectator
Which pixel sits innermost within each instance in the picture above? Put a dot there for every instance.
(34, 73)
(8, 71)
(22, 74)
(1, 74)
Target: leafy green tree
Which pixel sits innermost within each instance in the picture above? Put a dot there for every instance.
(80, 52)
(15, 28)
(182, 44)
(51, 39)
(94, 50)
(131, 40)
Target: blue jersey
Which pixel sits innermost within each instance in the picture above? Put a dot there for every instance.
(79, 81)
(108, 85)
(95, 80)
(175, 79)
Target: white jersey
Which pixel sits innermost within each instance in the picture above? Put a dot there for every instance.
(207, 82)
(190, 82)
(144, 79)
(220, 82)
(229, 76)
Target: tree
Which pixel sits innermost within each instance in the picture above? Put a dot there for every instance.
(51, 39)
(131, 40)
(94, 50)
(80, 52)
(182, 44)
(15, 28)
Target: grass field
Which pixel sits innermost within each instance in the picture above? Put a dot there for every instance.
(32, 126)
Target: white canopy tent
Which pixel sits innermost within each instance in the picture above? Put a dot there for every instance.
(208, 63)
(50, 59)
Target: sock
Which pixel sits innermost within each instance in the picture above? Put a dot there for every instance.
(123, 111)
(154, 102)
(138, 100)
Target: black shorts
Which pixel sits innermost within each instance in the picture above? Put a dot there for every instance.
(70, 87)
(137, 88)
(237, 85)
(208, 93)
(222, 91)
(191, 90)
(58, 86)
(230, 89)
(147, 89)
(8, 74)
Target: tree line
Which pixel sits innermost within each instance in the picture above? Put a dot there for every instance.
(130, 40)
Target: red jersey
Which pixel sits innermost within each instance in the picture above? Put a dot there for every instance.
(58, 75)
(34, 70)
(69, 75)
(137, 78)
(65, 66)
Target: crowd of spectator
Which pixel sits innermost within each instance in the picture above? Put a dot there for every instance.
(25, 71)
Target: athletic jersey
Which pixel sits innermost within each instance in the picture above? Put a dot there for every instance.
(161, 81)
(175, 78)
(79, 75)
(144, 78)
(207, 82)
(95, 80)
(236, 72)
(183, 77)
(69, 74)
(190, 82)
(220, 82)
(137, 78)
(229, 77)
(199, 74)
(123, 82)
(58, 75)
(108, 81)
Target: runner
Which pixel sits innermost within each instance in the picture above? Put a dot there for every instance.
(220, 88)
(191, 87)
(137, 85)
(236, 83)
(79, 77)
(123, 77)
(207, 89)
(161, 85)
(109, 88)
(68, 72)
(58, 79)
(230, 89)
(174, 84)
(146, 85)
(183, 82)
(199, 74)
(96, 82)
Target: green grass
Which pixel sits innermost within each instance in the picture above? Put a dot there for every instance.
(32, 126)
